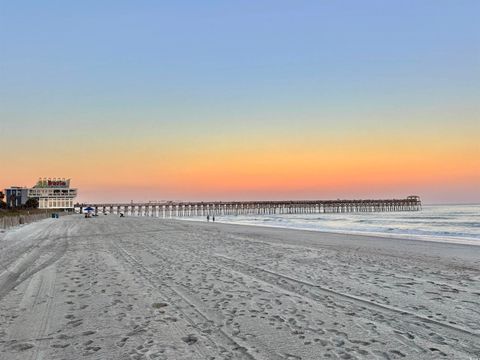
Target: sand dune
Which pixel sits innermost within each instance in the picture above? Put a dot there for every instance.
(142, 288)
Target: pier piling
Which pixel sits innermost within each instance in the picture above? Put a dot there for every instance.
(172, 209)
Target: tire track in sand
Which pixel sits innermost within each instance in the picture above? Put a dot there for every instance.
(29, 264)
(401, 329)
(214, 333)
(253, 270)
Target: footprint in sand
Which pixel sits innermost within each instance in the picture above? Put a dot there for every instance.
(122, 342)
(75, 323)
(190, 339)
(21, 346)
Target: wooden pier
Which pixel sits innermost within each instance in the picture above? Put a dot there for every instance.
(219, 208)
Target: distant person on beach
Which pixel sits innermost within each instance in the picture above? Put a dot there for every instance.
(213, 218)
(208, 218)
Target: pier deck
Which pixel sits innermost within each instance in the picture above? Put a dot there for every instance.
(182, 209)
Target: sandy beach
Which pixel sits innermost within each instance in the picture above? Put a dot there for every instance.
(145, 288)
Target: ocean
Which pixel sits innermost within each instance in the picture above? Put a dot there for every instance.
(446, 223)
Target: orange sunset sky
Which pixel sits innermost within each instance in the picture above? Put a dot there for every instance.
(274, 100)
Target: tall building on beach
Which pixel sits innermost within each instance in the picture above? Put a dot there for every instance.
(51, 193)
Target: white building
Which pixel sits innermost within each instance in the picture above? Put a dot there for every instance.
(53, 193)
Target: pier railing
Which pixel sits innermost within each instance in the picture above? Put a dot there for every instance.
(185, 209)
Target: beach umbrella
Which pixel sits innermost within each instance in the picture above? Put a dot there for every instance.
(89, 209)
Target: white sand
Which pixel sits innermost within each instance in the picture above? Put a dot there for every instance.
(144, 288)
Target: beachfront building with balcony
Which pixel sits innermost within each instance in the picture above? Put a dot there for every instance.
(53, 193)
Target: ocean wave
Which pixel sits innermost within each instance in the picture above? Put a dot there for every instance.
(433, 222)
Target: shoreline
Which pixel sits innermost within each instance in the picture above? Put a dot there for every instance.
(314, 238)
(412, 237)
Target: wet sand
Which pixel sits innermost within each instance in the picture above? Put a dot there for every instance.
(144, 288)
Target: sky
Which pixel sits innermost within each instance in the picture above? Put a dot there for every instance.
(235, 100)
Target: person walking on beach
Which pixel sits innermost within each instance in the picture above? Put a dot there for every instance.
(213, 218)
(208, 218)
